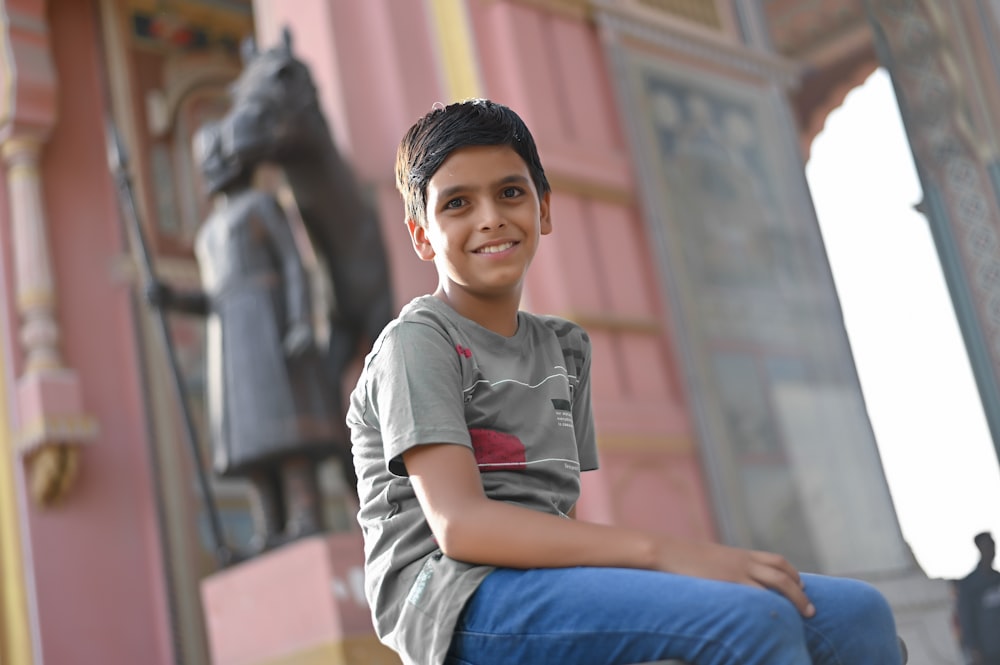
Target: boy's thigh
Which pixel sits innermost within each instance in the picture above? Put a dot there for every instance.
(609, 616)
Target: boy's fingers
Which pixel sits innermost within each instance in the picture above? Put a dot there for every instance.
(778, 579)
(781, 563)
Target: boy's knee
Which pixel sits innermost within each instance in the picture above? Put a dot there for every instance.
(869, 605)
(859, 609)
(760, 612)
(766, 628)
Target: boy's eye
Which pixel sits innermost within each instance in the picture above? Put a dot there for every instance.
(454, 203)
(511, 192)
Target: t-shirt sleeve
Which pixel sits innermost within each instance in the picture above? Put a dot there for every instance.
(583, 415)
(415, 391)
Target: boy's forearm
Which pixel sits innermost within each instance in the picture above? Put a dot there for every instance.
(469, 526)
(500, 534)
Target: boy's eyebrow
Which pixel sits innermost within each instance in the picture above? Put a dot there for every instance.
(512, 179)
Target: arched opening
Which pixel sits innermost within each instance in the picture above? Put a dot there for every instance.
(919, 389)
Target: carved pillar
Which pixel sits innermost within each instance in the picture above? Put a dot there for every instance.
(944, 98)
(50, 418)
(35, 293)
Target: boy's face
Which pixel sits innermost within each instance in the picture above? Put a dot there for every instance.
(484, 219)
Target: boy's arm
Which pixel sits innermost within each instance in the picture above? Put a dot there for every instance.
(298, 332)
(471, 527)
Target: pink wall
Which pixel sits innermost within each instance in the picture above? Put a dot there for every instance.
(597, 265)
(98, 570)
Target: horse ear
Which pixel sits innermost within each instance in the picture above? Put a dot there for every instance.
(286, 38)
(248, 49)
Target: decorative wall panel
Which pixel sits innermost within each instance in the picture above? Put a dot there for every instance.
(781, 418)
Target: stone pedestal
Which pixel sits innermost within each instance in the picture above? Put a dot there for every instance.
(301, 604)
(923, 609)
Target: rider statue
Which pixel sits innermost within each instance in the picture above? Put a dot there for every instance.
(271, 413)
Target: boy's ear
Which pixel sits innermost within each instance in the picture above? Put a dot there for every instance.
(421, 244)
(545, 213)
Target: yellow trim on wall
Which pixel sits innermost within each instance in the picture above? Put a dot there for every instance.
(6, 70)
(578, 9)
(358, 649)
(15, 631)
(661, 443)
(612, 323)
(455, 48)
(699, 11)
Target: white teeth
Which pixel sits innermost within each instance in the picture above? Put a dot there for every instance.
(494, 249)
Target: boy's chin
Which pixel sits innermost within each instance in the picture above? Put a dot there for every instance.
(495, 291)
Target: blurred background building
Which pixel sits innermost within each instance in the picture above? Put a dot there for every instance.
(674, 133)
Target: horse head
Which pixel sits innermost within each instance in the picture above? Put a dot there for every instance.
(275, 99)
(221, 163)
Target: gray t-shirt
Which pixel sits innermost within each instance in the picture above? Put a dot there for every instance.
(521, 403)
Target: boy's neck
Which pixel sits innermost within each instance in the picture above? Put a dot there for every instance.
(498, 315)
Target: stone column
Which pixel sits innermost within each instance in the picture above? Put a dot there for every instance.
(51, 422)
(948, 98)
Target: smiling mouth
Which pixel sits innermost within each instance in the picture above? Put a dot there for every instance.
(495, 249)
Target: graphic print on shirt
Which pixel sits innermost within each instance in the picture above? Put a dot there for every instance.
(573, 357)
(494, 425)
(564, 414)
(497, 451)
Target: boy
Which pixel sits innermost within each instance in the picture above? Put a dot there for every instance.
(470, 425)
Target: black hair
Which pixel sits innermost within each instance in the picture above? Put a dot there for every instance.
(473, 122)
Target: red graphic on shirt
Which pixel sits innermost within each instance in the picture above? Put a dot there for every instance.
(498, 451)
(462, 351)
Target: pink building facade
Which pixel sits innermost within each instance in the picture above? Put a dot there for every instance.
(674, 133)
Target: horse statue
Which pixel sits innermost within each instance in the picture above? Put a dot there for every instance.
(278, 118)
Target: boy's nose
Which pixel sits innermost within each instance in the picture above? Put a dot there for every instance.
(491, 218)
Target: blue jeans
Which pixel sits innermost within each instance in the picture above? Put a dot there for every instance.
(614, 616)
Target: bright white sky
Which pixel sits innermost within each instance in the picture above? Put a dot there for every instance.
(939, 460)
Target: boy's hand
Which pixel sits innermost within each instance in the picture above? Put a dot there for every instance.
(158, 294)
(729, 564)
(298, 338)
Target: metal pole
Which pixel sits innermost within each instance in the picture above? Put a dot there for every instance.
(118, 164)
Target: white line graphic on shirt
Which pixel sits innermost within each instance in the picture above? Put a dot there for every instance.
(536, 461)
(520, 383)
